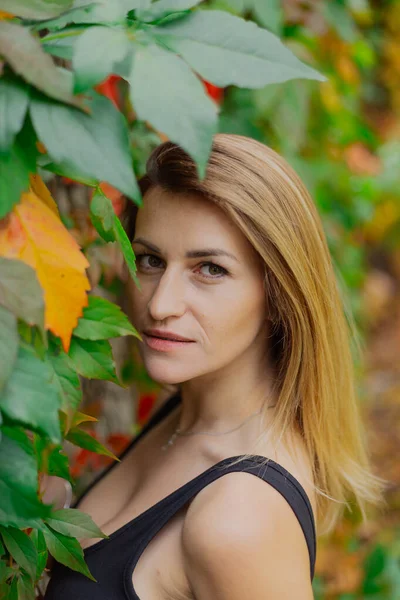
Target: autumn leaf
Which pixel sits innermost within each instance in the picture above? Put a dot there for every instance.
(216, 93)
(109, 88)
(33, 233)
(5, 15)
(41, 147)
(38, 186)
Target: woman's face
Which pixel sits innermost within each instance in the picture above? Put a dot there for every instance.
(221, 306)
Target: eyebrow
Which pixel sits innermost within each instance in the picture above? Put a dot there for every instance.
(191, 253)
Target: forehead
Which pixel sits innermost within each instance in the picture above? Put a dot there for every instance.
(160, 204)
(183, 222)
(170, 214)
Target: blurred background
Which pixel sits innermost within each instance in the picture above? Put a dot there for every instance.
(343, 138)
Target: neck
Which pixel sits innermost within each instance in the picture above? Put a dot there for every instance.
(220, 404)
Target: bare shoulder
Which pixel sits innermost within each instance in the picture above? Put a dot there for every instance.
(241, 538)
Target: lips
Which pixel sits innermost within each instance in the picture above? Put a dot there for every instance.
(166, 335)
(165, 345)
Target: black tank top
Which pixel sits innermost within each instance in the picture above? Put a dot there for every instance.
(112, 561)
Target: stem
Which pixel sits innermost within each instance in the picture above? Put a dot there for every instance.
(60, 36)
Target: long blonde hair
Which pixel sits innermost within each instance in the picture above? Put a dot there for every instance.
(312, 328)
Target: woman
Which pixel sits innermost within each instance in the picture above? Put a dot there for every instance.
(237, 267)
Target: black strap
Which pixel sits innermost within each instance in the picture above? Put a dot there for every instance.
(273, 473)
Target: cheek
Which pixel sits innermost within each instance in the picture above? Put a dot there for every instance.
(237, 318)
(137, 303)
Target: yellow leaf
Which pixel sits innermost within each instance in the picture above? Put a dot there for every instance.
(34, 234)
(40, 189)
(330, 97)
(386, 215)
(79, 418)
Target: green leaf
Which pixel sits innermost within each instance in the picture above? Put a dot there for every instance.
(65, 171)
(67, 551)
(66, 380)
(51, 458)
(341, 19)
(35, 9)
(102, 319)
(83, 439)
(62, 48)
(75, 523)
(374, 564)
(30, 396)
(39, 344)
(5, 572)
(21, 292)
(161, 8)
(14, 101)
(183, 111)
(109, 227)
(25, 587)
(94, 146)
(102, 216)
(127, 250)
(76, 15)
(228, 50)
(294, 101)
(15, 169)
(27, 58)
(37, 538)
(270, 14)
(9, 341)
(93, 359)
(109, 12)
(93, 13)
(96, 52)
(62, 44)
(21, 548)
(54, 462)
(11, 590)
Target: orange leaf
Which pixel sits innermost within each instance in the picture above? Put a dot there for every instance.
(216, 93)
(34, 234)
(5, 15)
(109, 88)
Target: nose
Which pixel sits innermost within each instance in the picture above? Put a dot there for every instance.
(168, 297)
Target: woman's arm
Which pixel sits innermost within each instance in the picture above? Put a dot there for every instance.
(242, 540)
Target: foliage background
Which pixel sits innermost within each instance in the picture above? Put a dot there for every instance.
(343, 137)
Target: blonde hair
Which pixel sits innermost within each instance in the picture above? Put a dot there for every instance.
(311, 325)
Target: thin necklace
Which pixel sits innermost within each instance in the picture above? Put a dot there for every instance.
(179, 432)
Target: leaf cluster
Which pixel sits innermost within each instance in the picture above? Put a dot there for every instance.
(52, 121)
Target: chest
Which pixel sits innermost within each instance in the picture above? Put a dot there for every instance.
(133, 490)
(139, 487)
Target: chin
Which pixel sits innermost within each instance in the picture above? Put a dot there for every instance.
(165, 374)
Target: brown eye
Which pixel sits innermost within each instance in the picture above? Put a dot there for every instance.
(216, 271)
(221, 272)
(139, 258)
